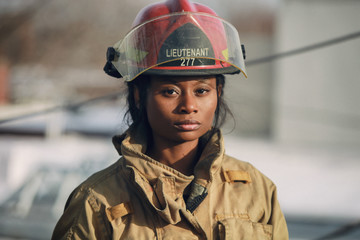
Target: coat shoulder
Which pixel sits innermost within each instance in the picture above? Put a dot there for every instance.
(231, 163)
(105, 185)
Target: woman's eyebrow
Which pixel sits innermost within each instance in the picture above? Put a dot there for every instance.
(205, 80)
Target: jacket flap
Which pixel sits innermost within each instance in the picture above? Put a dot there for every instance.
(118, 211)
(237, 176)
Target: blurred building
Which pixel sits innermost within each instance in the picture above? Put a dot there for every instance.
(317, 92)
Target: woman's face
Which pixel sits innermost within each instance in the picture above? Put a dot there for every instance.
(181, 109)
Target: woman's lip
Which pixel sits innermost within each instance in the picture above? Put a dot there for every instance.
(187, 125)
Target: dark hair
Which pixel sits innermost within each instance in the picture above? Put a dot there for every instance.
(136, 114)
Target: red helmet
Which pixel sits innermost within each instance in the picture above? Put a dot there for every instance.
(177, 38)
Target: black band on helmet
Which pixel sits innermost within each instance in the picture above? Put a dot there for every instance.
(192, 72)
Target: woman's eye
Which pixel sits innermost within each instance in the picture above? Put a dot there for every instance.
(202, 91)
(170, 92)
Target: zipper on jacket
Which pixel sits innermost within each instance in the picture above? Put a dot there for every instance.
(191, 206)
(197, 194)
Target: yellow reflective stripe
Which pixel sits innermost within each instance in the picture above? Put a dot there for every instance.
(136, 54)
(225, 53)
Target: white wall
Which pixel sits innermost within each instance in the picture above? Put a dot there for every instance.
(250, 99)
(317, 93)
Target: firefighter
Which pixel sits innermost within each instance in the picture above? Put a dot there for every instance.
(173, 179)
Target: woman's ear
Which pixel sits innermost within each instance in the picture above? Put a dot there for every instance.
(219, 90)
(137, 97)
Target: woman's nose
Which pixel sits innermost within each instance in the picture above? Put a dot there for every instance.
(188, 104)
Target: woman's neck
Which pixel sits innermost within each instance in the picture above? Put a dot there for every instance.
(180, 156)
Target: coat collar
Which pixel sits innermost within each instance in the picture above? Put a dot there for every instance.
(162, 185)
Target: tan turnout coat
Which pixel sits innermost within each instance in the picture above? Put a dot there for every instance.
(140, 198)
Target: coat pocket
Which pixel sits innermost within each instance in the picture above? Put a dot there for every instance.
(241, 229)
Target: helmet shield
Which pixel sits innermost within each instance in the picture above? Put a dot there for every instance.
(181, 43)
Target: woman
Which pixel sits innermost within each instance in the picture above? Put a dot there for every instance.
(173, 180)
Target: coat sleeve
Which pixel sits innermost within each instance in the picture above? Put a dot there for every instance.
(277, 219)
(83, 218)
